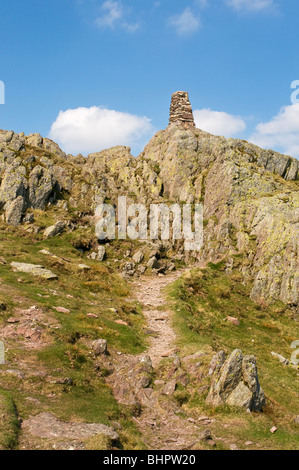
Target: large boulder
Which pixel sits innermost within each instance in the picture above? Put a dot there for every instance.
(13, 183)
(236, 383)
(15, 211)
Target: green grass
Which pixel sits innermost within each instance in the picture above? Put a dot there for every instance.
(9, 423)
(100, 291)
(96, 291)
(201, 302)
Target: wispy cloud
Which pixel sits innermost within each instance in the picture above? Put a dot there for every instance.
(185, 23)
(281, 132)
(250, 5)
(219, 122)
(115, 15)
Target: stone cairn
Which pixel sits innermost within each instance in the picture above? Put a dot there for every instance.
(181, 110)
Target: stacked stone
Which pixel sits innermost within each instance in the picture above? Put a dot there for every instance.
(181, 110)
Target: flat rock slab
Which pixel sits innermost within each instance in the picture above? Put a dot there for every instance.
(34, 269)
(47, 426)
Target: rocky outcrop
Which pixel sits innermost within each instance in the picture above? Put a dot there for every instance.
(22, 176)
(251, 203)
(236, 383)
(250, 195)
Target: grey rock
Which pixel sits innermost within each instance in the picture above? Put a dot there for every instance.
(205, 435)
(142, 269)
(41, 187)
(34, 140)
(15, 211)
(281, 359)
(128, 269)
(63, 178)
(241, 396)
(138, 257)
(28, 218)
(217, 362)
(54, 148)
(169, 388)
(171, 267)
(100, 347)
(236, 383)
(153, 263)
(34, 269)
(13, 183)
(54, 230)
(46, 162)
(101, 253)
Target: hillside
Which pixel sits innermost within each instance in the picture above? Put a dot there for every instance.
(111, 343)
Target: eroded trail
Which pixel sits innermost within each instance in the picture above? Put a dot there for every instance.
(161, 422)
(150, 293)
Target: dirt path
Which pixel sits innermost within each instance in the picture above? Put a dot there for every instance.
(149, 292)
(161, 422)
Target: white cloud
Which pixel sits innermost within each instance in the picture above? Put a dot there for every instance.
(281, 133)
(114, 15)
(87, 130)
(186, 23)
(218, 122)
(253, 5)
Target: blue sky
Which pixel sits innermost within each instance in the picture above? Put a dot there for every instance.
(93, 73)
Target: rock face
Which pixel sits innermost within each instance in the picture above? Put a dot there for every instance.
(251, 202)
(181, 110)
(250, 195)
(236, 383)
